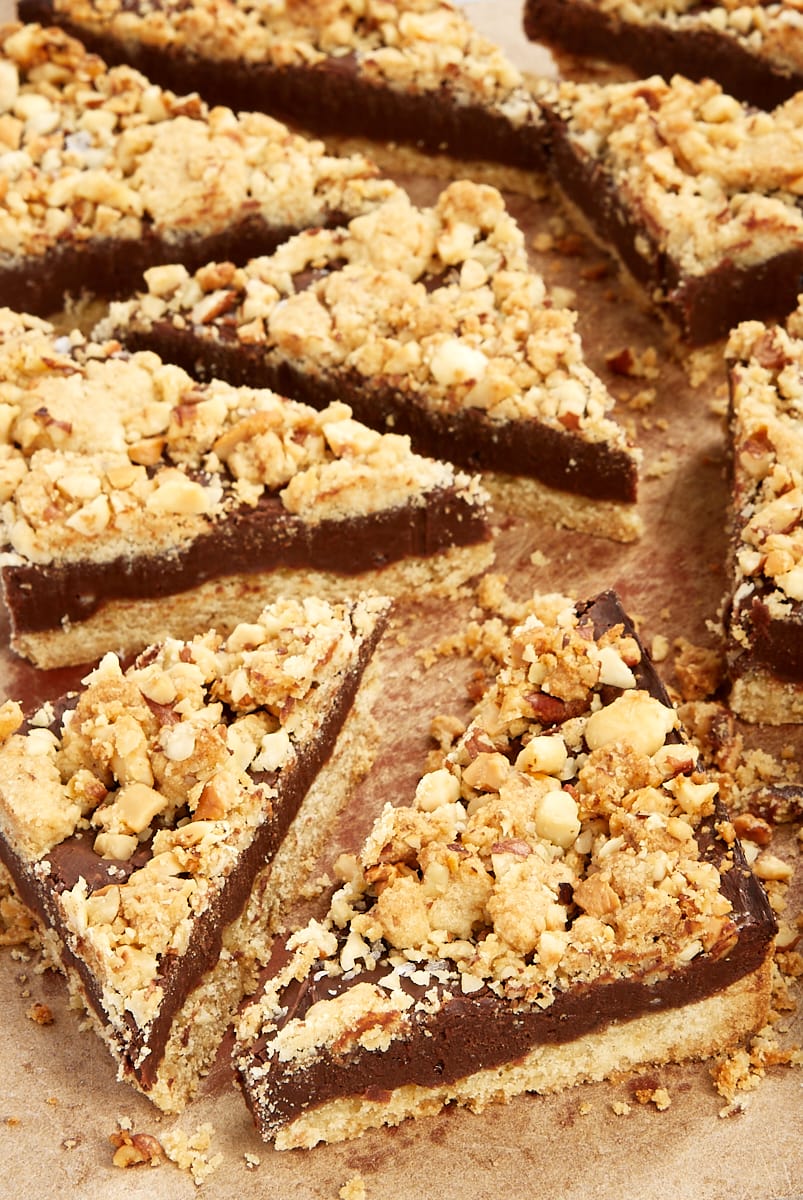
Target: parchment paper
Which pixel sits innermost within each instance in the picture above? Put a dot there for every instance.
(59, 1099)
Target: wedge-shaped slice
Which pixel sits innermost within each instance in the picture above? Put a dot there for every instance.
(754, 51)
(105, 174)
(428, 321)
(557, 904)
(157, 820)
(698, 194)
(414, 71)
(765, 628)
(140, 504)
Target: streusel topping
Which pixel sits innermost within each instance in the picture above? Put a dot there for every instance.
(88, 151)
(709, 178)
(766, 367)
(420, 45)
(102, 452)
(438, 303)
(165, 771)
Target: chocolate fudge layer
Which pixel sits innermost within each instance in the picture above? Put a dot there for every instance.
(415, 73)
(563, 900)
(431, 323)
(755, 52)
(106, 174)
(765, 626)
(138, 500)
(698, 195)
(137, 816)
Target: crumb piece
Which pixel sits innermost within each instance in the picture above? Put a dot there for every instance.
(584, 1109)
(620, 1107)
(664, 464)
(658, 1096)
(353, 1189)
(539, 559)
(659, 648)
(699, 670)
(190, 1151)
(252, 1161)
(41, 1014)
(69, 1143)
(135, 1149)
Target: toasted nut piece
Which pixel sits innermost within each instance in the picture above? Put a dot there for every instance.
(147, 452)
(137, 805)
(10, 718)
(115, 845)
(748, 825)
(437, 788)
(635, 718)
(543, 754)
(487, 772)
(770, 867)
(556, 818)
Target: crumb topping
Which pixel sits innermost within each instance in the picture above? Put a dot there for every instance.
(416, 46)
(103, 453)
(438, 303)
(771, 30)
(710, 178)
(160, 775)
(92, 152)
(766, 373)
(555, 845)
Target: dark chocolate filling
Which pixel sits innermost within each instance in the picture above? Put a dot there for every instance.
(179, 974)
(654, 48)
(331, 97)
(775, 643)
(479, 1030)
(250, 540)
(703, 307)
(114, 267)
(559, 458)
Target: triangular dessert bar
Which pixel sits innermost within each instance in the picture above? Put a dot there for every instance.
(157, 820)
(563, 900)
(105, 174)
(428, 321)
(765, 622)
(138, 503)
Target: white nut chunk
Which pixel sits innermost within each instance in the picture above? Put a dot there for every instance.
(437, 788)
(543, 754)
(556, 818)
(137, 805)
(635, 718)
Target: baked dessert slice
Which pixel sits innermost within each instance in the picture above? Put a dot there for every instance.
(138, 503)
(697, 194)
(157, 820)
(754, 51)
(105, 174)
(415, 73)
(562, 901)
(428, 321)
(765, 622)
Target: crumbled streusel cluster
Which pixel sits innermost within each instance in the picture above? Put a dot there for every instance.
(557, 844)
(767, 406)
(710, 178)
(438, 303)
(101, 451)
(88, 151)
(418, 44)
(166, 770)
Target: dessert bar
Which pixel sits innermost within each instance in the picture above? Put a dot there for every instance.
(562, 901)
(104, 174)
(157, 820)
(414, 72)
(755, 51)
(765, 625)
(428, 321)
(137, 503)
(697, 194)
